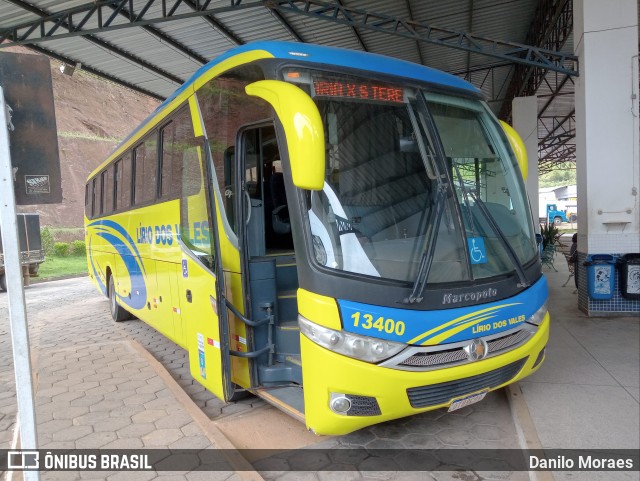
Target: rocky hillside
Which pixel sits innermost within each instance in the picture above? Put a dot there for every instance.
(92, 117)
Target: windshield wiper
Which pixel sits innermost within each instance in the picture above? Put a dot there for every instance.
(428, 253)
(493, 224)
(503, 240)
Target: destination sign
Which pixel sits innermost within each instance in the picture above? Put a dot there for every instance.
(358, 90)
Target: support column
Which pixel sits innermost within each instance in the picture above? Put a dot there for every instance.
(607, 140)
(525, 122)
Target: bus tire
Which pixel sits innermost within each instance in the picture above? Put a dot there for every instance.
(557, 220)
(118, 313)
(3, 283)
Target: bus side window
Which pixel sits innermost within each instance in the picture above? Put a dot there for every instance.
(97, 188)
(127, 182)
(117, 184)
(181, 163)
(145, 170)
(176, 138)
(107, 191)
(194, 217)
(225, 108)
(87, 199)
(93, 197)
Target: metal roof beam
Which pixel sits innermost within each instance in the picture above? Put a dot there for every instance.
(210, 18)
(468, 74)
(287, 26)
(70, 22)
(355, 31)
(96, 72)
(554, 94)
(558, 139)
(410, 10)
(161, 36)
(559, 125)
(65, 24)
(63, 21)
(560, 154)
(550, 29)
(420, 31)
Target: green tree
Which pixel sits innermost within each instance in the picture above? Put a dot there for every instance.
(47, 241)
(561, 175)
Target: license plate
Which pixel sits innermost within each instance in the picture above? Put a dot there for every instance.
(470, 399)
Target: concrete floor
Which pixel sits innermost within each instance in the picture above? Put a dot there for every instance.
(586, 394)
(96, 390)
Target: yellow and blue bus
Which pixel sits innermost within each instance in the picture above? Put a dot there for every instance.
(344, 234)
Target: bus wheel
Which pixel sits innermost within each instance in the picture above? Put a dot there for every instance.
(117, 311)
(3, 283)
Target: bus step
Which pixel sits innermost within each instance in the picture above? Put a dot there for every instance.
(286, 273)
(287, 306)
(280, 372)
(288, 399)
(287, 338)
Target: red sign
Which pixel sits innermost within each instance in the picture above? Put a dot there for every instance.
(359, 91)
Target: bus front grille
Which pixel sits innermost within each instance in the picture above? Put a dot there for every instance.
(424, 358)
(434, 394)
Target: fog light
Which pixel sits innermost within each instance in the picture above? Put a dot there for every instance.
(540, 357)
(339, 404)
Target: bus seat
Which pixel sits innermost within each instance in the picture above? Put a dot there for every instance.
(280, 211)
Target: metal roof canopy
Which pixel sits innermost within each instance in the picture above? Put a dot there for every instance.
(153, 46)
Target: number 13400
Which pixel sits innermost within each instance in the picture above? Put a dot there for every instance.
(381, 324)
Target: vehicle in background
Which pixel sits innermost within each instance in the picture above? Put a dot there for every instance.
(31, 252)
(572, 212)
(553, 215)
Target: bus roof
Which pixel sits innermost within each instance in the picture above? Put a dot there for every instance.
(320, 54)
(307, 52)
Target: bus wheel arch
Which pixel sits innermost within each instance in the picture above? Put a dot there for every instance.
(118, 313)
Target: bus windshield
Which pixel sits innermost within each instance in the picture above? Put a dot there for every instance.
(411, 178)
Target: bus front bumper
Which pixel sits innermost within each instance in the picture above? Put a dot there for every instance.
(380, 394)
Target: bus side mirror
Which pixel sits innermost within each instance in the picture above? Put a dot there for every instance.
(518, 148)
(302, 127)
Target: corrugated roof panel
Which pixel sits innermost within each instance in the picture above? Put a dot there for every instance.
(157, 85)
(145, 46)
(402, 48)
(322, 32)
(254, 24)
(495, 19)
(51, 7)
(11, 15)
(196, 32)
(106, 62)
(198, 36)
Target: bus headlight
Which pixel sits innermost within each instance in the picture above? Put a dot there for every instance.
(365, 348)
(538, 316)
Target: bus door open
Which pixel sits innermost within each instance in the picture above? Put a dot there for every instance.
(201, 283)
(270, 276)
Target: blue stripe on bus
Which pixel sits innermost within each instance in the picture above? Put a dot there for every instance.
(133, 264)
(119, 238)
(442, 325)
(109, 224)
